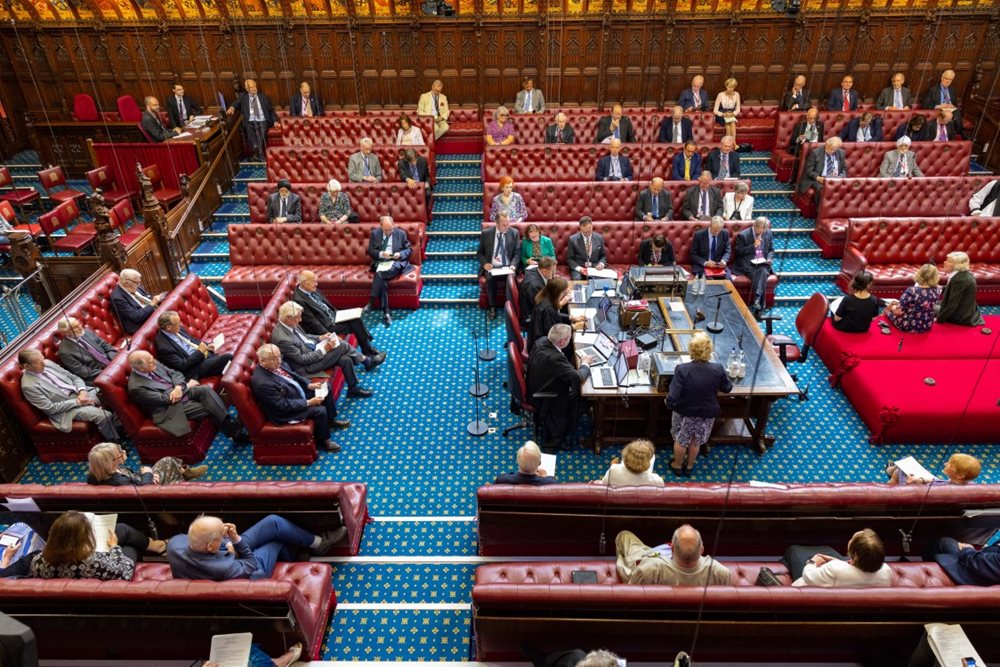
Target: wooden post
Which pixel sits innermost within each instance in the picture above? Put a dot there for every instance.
(25, 254)
(155, 219)
(108, 245)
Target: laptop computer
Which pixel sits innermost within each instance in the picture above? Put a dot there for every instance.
(611, 375)
(582, 292)
(601, 350)
(600, 316)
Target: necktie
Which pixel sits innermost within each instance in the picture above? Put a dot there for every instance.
(306, 109)
(501, 255)
(302, 337)
(724, 165)
(185, 341)
(687, 168)
(704, 202)
(656, 256)
(436, 109)
(759, 252)
(385, 242)
(280, 372)
(282, 213)
(798, 99)
(711, 247)
(163, 382)
(94, 352)
(140, 298)
(413, 171)
(656, 204)
(617, 136)
(587, 247)
(318, 301)
(527, 102)
(255, 109)
(368, 171)
(897, 99)
(942, 132)
(847, 101)
(616, 169)
(811, 133)
(866, 134)
(831, 166)
(697, 98)
(677, 133)
(180, 108)
(900, 166)
(945, 96)
(60, 384)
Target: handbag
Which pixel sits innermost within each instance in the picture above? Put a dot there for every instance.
(767, 577)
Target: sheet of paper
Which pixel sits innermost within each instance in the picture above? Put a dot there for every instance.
(835, 304)
(385, 265)
(602, 273)
(323, 390)
(549, 464)
(182, 135)
(204, 117)
(766, 485)
(912, 468)
(21, 505)
(101, 524)
(219, 341)
(677, 306)
(950, 644)
(231, 650)
(501, 271)
(581, 338)
(346, 314)
(760, 261)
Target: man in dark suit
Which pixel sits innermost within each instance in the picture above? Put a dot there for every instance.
(258, 117)
(132, 304)
(529, 461)
(170, 401)
(826, 161)
(809, 129)
(686, 164)
(710, 249)
(284, 396)
(843, 98)
(964, 564)
(414, 172)
(319, 316)
(585, 250)
(560, 132)
(724, 162)
(675, 128)
(896, 97)
(695, 98)
(499, 246)
(389, 250)
(304, 103)
(702, 201)
(284, 205)
(754, 251)
(178, 349)
(866, 127)
(941, 95)
(614, 166)
(796, 99)
(180, 107)
(654, 203)
(549, 371)
(534, 280)
(657, 251)
(943, 128)
(615, 126)
(152, 125)
(81, 351)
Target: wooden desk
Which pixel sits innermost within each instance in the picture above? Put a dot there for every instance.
(624, 414)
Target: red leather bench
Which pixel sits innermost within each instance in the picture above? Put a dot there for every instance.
(318, 164)
(845, 198)
(262, 255)
(530, 128)
(347, 130)
(755, 126)
(465, 132)
(537, 603)
(369, 201)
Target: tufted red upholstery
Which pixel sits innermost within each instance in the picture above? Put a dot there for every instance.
(318, 164)
(346, 130)
(756, 126)
(261, 255)
(369, 200)
(530, 128)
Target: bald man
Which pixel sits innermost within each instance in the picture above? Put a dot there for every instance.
(151, 123)
(319, 316)
(654, 203)
(681, 563)
(529, 471)
(434, 103)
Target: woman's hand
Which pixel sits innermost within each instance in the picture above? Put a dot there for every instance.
(112, 539)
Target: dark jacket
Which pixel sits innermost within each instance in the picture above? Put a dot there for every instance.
(533, 282)
(745, 252)
(293, 208)
(242, 104)
(295, 106)
(836, 101)
(713, 163)
(277, 399)
(191, 108)
(958, 302)
(625, 131)
(129, 313)
(154, 128)
(315, 319)
(692, 200)
(701, 245)
(664, 204)
(850, 131)
(133, 478)
(187, 361)
(666, 135)
(521, 478)
(694, 389)
(604, 168)
(550, 371)
(800, 128)
(554, 136)
(686, 100)
(487, 247)
(400, 244)
(790, 99)
(543, 317)
(646, 253)
(677, 171)
(79, 361)
(423, 173)
(972, 568)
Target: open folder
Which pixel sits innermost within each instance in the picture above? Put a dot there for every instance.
(346, 314)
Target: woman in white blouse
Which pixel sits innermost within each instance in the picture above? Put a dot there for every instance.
(408, 134)
(636, 468)
(738, 204)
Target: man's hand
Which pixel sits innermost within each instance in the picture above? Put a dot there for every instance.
(280, 220)
(144, 469)
(541, 472)
(412, 184)
(315, 400)
(756, 242)
(587, 360)
(819, 560)
(395, 255)
(577, 318)
(820, 179)
(315, 385)
(710, 264)
(83, 398)
(385, 255)
(487, 266)
(229, 530)
(578, 326)
(370, 179)
(649, 216)
(204, 348)
(600, 266)
(229, 111)
(192, 383)
(175, 394)
(963, 545)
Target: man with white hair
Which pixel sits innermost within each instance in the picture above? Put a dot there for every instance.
(215, 550)
(900, 162)
(560, 132)
(258, 115)
(364, 166)
(319, 316)
(681, 563)
(724, 161)
(81, 351)
(676, 128)
(754, 251)
(529, 458)
(132, 304)
(823, 162)
(549, 371)
(614, 166)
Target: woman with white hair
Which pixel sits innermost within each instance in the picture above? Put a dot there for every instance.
(958, 303)
(335, 205)
(500, 131)
(106, 464)
(738, 204)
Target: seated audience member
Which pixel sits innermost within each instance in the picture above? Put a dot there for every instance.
(258, 114)
(857, 310)
(635, 468)
(529, 99)
(178, 349)
(866, 127)
(286, 397)
(958, 302)
(529, 458)
(656, 251)
(335, 205)
(319, 316)
(585, 250)
(675, 128)
(284, 205)
(754, 250)
(797, 98)
(914, 312)
(702, 201)
(727, 108)
(170, 401)
(572, 658)
(63, 397)
(259, 658)
(7, 227)
(823, 162)
(408, 134)
(686, 164)
(681, 563)
(106, 466)
(309, 355)
(434, 103)
(560, 132)
(413, 171)
(738, 204)
(364, 166)
(550, 302)
(550, 371)
(304, 103)
(710, 250)
(534, 281)
(71, 551)
(500, 131)
(13, 564)
(181, 109)
(964, 564)
(508, 202)
(695, 98)
(131, 303)
(943, 128)
(389, 250)
(960, 469)
(844, 97)
(984, 202)
(724, 162)
(865, 566)
(614, 166)
(535, 245)
(808, 130)
(694, 402)
(901, 162)
(915, 128)
(215, 550)
(81, 351)
(498, 248)
(941, 95)
(654, 203)
(896, 97)
(615, 126)
(151, 123)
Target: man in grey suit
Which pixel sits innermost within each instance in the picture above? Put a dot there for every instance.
(585, 250)
(828, 161)
(901, 162)
(499, 246)
(529, 100)
(702, 201)
(62, 396)
(284, 205)
(754, 251)
(309, 355)
(81, 351)
(170, 400)
(654, 203)
(896, 97)
(364, 165)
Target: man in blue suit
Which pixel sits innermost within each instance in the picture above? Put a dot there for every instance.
(132, 304)
(866, 127)
(284, 396)
(687, 164)
(389, 250)
(675, 128)
(176, 348)
(964, 564)
(614, 167)
(710, 248)
(695, 98)
(844, 92)
(724, 162)
(754, 250)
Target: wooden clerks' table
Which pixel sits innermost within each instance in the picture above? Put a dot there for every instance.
(625, 413)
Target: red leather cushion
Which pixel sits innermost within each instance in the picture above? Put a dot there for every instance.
(346, 130)
(368, 200)
(318, 164)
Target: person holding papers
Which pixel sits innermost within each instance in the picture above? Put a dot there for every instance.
(499, 256)
(258, 658)
(389, 250)
(960, 469)
(286, 397)
(535, 246)
(319, 316)
(855, 312)
(178, 349)
(132, 304)
(865, 566)
(549, 304)
(754, 250)
(585, 250)
(636, 467)
(529, 471)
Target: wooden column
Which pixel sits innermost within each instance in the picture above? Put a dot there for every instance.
(108, 246)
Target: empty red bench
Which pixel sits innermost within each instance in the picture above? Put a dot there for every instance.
(368, 200)
(318, 164)
(755, 126)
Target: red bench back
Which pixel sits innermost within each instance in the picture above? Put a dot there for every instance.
(899, 197)
(530, 128)
(369, 201)
(295, 245)
(318, 164)
(917, 240)
(834, 122)
(935, 158)
(348, 130)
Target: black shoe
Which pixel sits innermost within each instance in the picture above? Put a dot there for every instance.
(755, 311)
(328, 540)
(387, 318)
(678, 472)
(687, 472)
(331, 446)
(376, 360)
(340, 423)
(359, 392)
(493, 313)
(242, 438)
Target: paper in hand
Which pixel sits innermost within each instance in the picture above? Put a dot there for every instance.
(323, 390)
(549, 464)
(910, 467)
(348, 314)
(384, 265)
(101, 524)
(219, 341)
(231, 650)
(501, 271)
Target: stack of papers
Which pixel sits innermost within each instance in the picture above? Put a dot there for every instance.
(101, 524)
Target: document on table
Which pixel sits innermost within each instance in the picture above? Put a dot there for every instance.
(182, 135)
(602, 273)
(950, 644)
(677, 306)
(384, 265)
(101, 524)
(501, 271)
(219, 341)
(912, 468)
(581, 338)
(231, 650)
(323, 390)
(549, 464)
(21, 504)
(204, 117)
(762, 260)
(346, 314)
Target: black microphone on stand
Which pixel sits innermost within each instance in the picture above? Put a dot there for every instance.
(717, 327)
